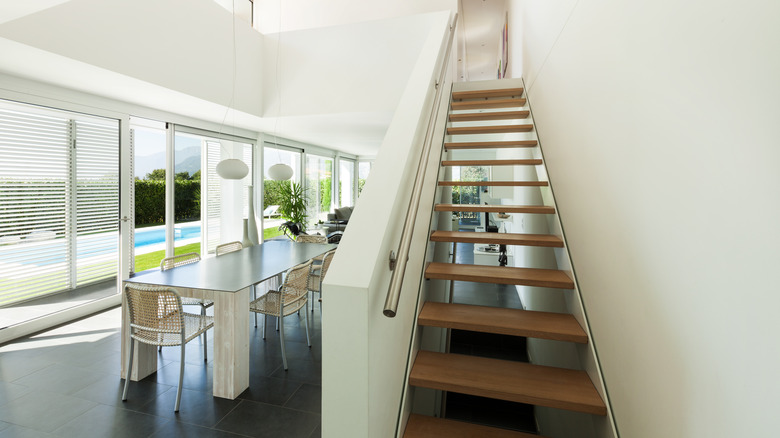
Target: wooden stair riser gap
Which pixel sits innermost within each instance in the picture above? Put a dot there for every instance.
(499, 275)
(489, 103)
(421, 426)
(542, 240)
(478, 208)
(495, 115)
(506, 380)
(491, 144)
(512, 322)
(524, 162)
(485, 94)
(494, 183)
(496, 129)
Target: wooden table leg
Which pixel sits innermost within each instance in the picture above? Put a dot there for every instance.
(144, 356)
(231, 343)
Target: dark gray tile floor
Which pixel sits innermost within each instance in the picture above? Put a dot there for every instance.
(65, 383)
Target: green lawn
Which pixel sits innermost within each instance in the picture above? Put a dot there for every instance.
(153, 259)
(271, 232)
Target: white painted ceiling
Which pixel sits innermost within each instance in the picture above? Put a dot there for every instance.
(479, 36)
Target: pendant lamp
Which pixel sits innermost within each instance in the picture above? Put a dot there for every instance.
(232, 168)
(280, 172)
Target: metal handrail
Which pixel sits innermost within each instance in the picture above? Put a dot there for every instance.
(398, 263)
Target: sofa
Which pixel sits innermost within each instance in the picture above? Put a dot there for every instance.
(337, 221)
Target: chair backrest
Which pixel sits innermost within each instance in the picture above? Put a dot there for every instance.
(311, 238)
(326, 263)
(229, 247)
(153, 310)
(296, 280)
(179, 260)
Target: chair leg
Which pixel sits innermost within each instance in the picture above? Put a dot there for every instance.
(306, 320)
(281, 341)
(205, 338)
(265, 323)
(181, 378)
(129, 370)
(254, 297)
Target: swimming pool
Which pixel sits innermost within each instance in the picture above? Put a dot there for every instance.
(153, 235)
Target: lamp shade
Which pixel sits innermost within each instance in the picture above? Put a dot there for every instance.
(232, 168)
(280, 172)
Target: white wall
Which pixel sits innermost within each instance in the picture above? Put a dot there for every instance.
(278, 15)
(365, 353)
(657, 120)
(181, 45)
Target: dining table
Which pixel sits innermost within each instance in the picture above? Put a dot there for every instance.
(226, 280)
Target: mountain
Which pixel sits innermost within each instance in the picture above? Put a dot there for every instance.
(187, 160)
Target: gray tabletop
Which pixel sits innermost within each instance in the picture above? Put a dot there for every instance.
(236, 270)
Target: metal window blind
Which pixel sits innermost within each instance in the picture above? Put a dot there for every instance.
(50, 217)
(213, 195)
(97, 200)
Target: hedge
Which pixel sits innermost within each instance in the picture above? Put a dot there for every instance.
(150, 201)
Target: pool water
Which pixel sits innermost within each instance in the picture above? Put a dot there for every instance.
(150, 236)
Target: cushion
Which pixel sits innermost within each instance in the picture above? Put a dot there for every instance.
(343, 213)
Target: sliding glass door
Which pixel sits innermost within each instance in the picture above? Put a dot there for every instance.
(346, 183)
(319, 185)
(272, 190)
(59, 205)
(204, 210)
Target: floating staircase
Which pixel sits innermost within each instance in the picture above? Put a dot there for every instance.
(512, 381)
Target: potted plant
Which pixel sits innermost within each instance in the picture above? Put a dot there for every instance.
(292, 204)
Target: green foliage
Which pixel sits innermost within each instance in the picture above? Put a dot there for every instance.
(325, 194)
(156, 175)
(292, 203)
(150, 201)
(272, 192)
(183, 176)
(361, 183)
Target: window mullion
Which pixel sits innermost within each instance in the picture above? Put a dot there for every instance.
(71, 231)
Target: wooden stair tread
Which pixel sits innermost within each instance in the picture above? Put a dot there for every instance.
(491, 144)
(525, 162)
(505, 380)
(423, 426)
(514, 322)
(495, 183)
(481, 208)
(545, 240)
(491, 129)
(485, 94)
(493, 115)
(488, 103)
(499, 275)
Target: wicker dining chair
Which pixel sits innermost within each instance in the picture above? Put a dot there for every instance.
(181, 260)
(157, 318)
(229, 247)
(317, 274)
(313, 238)
(291, 297)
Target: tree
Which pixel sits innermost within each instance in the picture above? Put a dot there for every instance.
(185, 176)
(156, 175)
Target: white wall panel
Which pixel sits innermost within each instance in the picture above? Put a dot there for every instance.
(657, 122)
